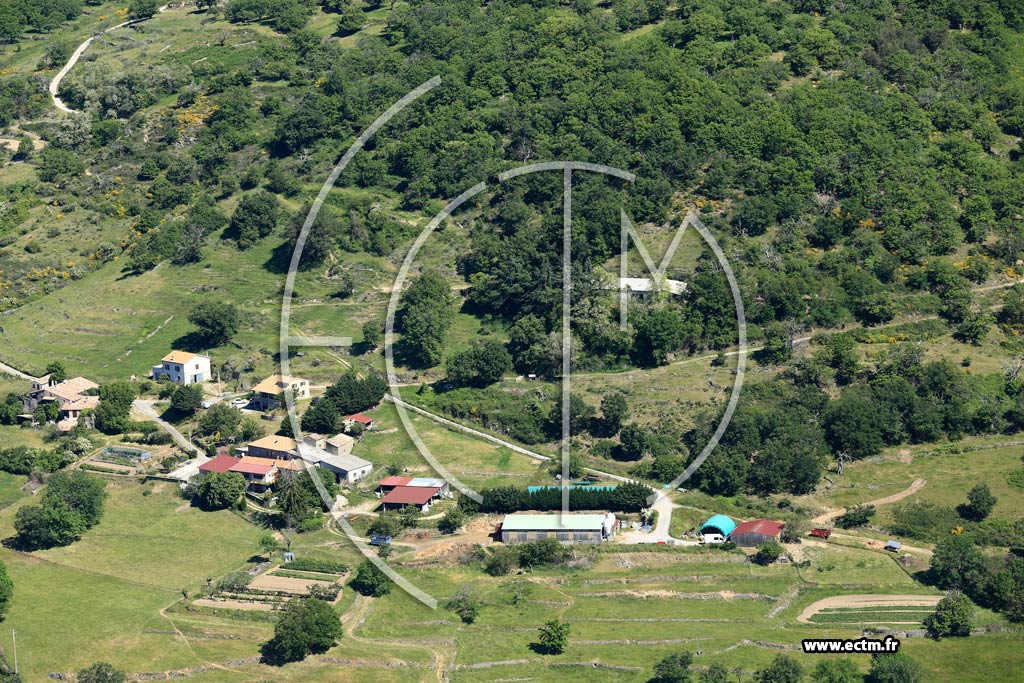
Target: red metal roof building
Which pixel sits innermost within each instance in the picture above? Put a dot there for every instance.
(222, 463)
(388, 483)
(755, 532)
(259, 472)
(401, 496)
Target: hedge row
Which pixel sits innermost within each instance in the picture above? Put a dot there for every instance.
(629, 497)
(310, 564)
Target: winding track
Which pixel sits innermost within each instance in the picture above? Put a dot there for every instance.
(75, 56)
(914, 487)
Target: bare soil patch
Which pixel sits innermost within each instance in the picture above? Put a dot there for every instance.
(855, 601)
(268, 582)
(245, 605)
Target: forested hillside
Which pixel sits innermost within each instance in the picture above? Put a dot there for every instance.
(860, 164)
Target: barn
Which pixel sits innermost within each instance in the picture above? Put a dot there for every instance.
(716, 529)
(402, 496)
(566, 528)
(755, 532)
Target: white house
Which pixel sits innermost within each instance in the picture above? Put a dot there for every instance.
(182, 367)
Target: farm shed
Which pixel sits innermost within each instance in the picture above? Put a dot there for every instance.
(391, 482)
(402, 496)
(348, 468)
(755, 532)
(592, 528)
(716, 529)
(430, 483)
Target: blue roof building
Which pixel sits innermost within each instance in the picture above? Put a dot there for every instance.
(719, 523)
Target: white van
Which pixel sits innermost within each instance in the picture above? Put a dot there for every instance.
(711, 538)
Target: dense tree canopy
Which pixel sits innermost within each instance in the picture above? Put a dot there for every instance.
(306, 626)
(219, 490)
(217, 321)
(71, 504)
(426, 314)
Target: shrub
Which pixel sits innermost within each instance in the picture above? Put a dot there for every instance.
(554, 637)
(466, 604)
(767, 553)
(952, 616)
(923, 520)
(101, 672)
(855, 516)
(310, 524)
(451, 521)
(894, 668)
(674, 668)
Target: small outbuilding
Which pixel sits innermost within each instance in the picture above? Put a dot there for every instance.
(756, 532)
(364, 421)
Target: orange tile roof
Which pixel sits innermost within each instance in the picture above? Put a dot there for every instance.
(275, 443)
(71, 389)
(83, 403)
(251, 464)
(272, 384)
(179, 357)
(295, 465)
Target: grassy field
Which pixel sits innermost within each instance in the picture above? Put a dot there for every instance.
(476, 463)
(948, 476)
(115, 595)
(98, 598)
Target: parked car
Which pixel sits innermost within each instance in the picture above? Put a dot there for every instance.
(240, 402)
(378, 539)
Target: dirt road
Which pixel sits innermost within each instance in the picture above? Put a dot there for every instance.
(11, 370)
(914, 487)
(146, 408)
(75, 56)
